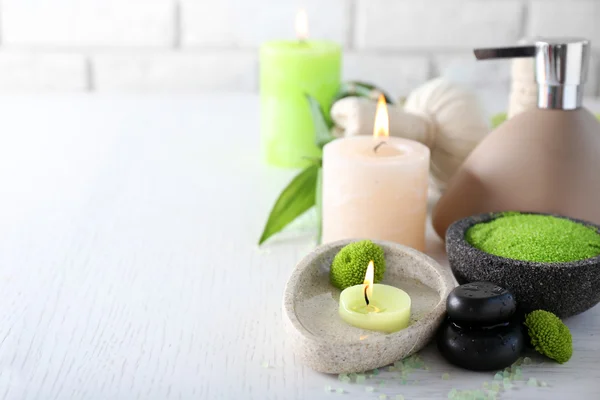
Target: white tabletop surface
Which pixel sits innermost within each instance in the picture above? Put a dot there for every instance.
(129, 267)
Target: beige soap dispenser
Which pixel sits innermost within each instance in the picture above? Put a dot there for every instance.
(545, 159)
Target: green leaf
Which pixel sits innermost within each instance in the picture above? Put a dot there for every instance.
(361, 89)
(319, 204)
(314, 160)
(322, 129)
(296, 198)
(497, 119)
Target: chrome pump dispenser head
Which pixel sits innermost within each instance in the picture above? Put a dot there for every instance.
(561, 68)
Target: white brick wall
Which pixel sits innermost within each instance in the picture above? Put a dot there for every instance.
(398, 75)
(566, 18)
(88, 23)
(436, 24)
(248, 23)
(42, 72)
(209, 70)
(192, 45)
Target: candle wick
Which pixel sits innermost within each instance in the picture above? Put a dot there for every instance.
(378, 146)
(366, 297)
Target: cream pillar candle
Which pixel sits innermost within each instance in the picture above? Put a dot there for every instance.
(375, 188)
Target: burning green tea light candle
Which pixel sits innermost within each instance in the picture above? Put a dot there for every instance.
(288, 71)
(375, 307)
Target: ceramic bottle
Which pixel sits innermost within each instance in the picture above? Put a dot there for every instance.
(545, 159)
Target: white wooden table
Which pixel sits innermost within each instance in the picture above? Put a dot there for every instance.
(129, 267)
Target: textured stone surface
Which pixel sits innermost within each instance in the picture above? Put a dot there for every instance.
(565, 289)
(326, 344)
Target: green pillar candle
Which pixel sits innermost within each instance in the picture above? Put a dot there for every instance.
(288, 71)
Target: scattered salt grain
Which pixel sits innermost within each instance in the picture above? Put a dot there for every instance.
(478, 395)
(519, 361)
(532, 382)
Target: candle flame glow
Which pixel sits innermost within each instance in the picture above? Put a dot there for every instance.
(301, 24)
(382, 120)
(368, 283)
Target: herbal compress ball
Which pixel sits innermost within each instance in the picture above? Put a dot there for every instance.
(349, 266)
(549, 335)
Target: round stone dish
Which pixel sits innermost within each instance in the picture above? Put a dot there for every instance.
(565, 288)
(325, 343)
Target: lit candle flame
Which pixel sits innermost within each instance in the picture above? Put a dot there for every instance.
(301, 24)
(368, 283)
(382, 120)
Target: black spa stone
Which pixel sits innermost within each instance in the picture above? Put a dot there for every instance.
(480, 303)
(480, 349)
(566, 288)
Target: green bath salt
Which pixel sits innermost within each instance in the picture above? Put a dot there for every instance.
(537, 238)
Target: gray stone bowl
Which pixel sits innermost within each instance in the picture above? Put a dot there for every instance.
(566, 288)
(325, 343)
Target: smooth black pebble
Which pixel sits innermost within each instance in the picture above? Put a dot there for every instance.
(480, 303)
(482, 331)
(480, 349)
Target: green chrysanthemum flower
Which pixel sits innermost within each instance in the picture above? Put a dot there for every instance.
(350, 264)
(550, 336)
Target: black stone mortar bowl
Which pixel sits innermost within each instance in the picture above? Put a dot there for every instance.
(565, 288)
